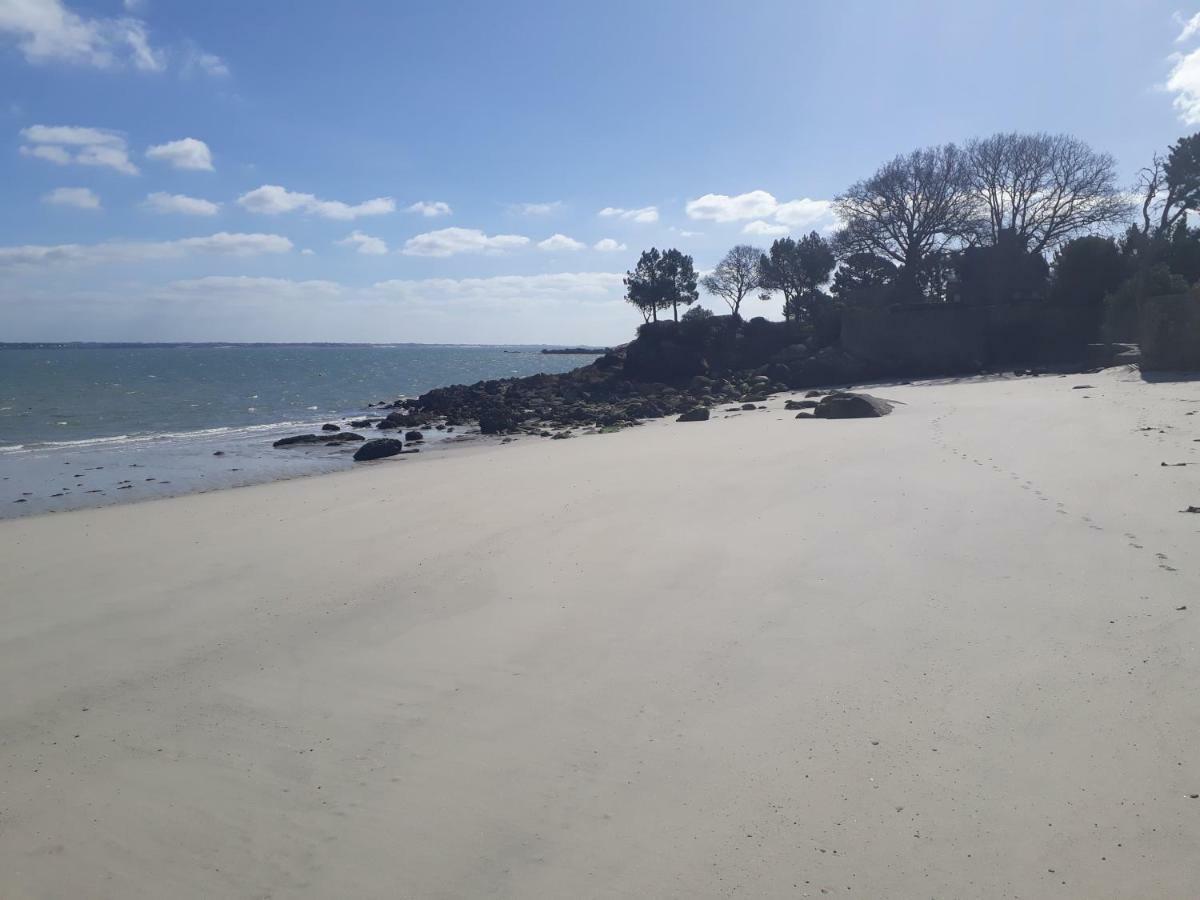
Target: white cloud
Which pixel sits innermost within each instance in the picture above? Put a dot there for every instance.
(161, 202)
(48, 152)
(803, 213)
(557, 242)
(364, 243)
(246, 288)
(764, 229)
(186, 153)
(430, 208)
(760, 206)
(88, 146)
(608, 245)
(503, 289)
(1188, 28)
(221, 243)
(47, 31)
(537, 209)
(80, 198)
(1184, 82)
(644, 215)
(451, 241)
(724, 208)
(272, 199)
(308, 251)
(71, 135)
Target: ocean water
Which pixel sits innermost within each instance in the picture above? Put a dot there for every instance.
(90, 425)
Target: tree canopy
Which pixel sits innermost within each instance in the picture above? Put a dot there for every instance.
(661, 281)
(797, 269)
(735, 277)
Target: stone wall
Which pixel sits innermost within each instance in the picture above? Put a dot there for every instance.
(1169, 332)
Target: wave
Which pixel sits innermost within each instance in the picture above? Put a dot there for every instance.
(152, 437)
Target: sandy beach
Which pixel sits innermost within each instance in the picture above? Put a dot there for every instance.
(937, 654)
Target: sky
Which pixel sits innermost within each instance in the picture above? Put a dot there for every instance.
(484, 172)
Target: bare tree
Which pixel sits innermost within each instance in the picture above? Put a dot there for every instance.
(1169, 187)
(735, 276)
(911, 209)
(1043, 188)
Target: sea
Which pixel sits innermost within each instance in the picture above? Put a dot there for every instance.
(92, 424)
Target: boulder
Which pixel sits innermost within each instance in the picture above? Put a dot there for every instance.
(749, 406)
(378, 449)
(329, 426)
(297, 439)
(845, 405)
(496, 418)
(698, 414)
(800, 404)
(362, 423)
(342, 437)
(411, 436)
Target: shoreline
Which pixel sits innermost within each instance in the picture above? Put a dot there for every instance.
(923, 641)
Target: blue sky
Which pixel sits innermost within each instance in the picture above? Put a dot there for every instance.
(485, 172)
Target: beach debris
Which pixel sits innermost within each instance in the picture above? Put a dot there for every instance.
(1083, 387)
(20, 500)
(329, 426)
(1180, 608)
(1191, 509)
(218, 453)
(698, 414)
(1172, 465)
(847, 405)
(378, 449)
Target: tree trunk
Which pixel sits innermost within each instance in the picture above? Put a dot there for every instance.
(675, 310)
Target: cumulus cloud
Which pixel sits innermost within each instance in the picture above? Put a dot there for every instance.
(272, 199)
(430, 208)
(80, 198)
(64, 144)
(644, 215)
(452, 241)
(186, 153)
(558, 242)
(608, 245)
(364, 243)
(726, 208)
(161, 202)
(537, 209)
(222, 244)
(759, 228)
(761, 206)
(47, 31)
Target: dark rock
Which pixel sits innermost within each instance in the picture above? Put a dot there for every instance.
(800, 404)
(1083, 387)
(805, 415)
(497, 418)
(1191, 509)
(815, 394)
(362, 423)
(699, 414)
(299, 439)
(748, 406)
(378, 449)
(218, 453)
(329, 426)
(341, 438)
(845, 405)
(411, 436)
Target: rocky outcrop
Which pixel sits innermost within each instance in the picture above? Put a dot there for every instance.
(378, 448)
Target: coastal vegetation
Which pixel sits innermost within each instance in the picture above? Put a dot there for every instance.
(1007, 219)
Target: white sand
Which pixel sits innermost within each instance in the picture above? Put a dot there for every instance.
(931, 655)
